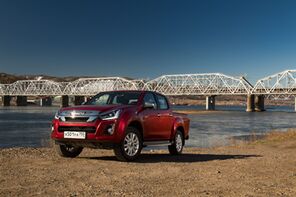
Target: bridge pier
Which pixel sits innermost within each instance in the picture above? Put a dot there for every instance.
(250, 103)
(65, 101)
(78, 100)
(6, 100)
(259, 103)
(47, 101)
(87, 98)
(21, 101)
(210, 103)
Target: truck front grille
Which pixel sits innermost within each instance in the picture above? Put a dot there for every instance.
(71, 128)
(78, 116)
(76, 119)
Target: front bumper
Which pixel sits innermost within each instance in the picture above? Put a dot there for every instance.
(96, 132)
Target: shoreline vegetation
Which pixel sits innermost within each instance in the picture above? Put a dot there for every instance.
(260, 167)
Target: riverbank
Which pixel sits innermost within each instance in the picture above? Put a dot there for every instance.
(261, 168)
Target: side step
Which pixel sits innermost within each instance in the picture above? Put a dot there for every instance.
(156, 143)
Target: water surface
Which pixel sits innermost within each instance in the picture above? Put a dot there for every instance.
(30, 126)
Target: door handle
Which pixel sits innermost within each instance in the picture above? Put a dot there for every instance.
(158, 115)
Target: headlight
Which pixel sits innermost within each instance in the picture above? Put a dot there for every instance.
(110, 115)
(57, 115)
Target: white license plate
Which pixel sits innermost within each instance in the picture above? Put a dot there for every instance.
(74, 134)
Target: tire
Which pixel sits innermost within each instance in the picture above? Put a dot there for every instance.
(68, 151)
(177, 146)
(130, 147)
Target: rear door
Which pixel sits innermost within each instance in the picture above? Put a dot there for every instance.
(165, 117)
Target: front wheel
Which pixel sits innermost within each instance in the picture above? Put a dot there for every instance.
(177, 145)
(68, 151)
(130, 147)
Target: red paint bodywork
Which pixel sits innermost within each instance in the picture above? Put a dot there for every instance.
(155, 124)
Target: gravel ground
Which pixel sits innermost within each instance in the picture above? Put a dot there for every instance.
(267, 168)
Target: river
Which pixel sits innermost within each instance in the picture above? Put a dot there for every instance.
(30, 126)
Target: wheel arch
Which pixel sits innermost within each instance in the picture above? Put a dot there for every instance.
(137, 125)
(178, 125)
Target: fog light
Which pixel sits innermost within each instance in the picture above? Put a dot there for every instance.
(110, 129)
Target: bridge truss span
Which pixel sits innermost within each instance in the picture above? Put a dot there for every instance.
(33, 88)
(199, 84)
(91, 86)
(82, 86)
(278, 85)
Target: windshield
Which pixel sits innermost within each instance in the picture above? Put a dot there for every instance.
(115, 98)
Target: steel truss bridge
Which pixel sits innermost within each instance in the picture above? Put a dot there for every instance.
(281, 84)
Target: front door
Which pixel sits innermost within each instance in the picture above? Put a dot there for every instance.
(150, 119)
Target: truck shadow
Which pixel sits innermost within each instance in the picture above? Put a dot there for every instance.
(184, 158)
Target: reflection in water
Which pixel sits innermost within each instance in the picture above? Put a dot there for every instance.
(30, 126)
(25, 126)
(215, 128)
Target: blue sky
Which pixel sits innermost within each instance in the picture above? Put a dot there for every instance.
(148, 38)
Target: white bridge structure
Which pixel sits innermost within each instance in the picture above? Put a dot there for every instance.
(200, 84)
(282, 84)
(81, 87)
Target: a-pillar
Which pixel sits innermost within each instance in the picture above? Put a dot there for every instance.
(78, 100)
(259, 103)
(46, 101)
(6, 100)
(210, 103)
(65, 101)
(250, 103)
(21, 101)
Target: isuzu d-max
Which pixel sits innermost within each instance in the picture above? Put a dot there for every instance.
(125, 121)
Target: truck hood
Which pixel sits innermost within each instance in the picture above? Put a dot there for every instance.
(99, 108)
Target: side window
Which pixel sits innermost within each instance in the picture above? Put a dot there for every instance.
(149, 98)
(163, 104)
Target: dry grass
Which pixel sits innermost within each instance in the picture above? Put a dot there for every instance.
(277, 137)
(279, 140)
(248, 170)
(290, 134)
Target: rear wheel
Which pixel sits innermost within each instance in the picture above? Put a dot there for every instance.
(177, 145)
(68, 151)
(130, 147)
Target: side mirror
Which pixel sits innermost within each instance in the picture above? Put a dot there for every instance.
(148, 105)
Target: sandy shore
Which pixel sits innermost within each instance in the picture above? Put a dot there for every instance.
(264, 168)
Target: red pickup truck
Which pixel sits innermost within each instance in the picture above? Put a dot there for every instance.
(125, 121)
